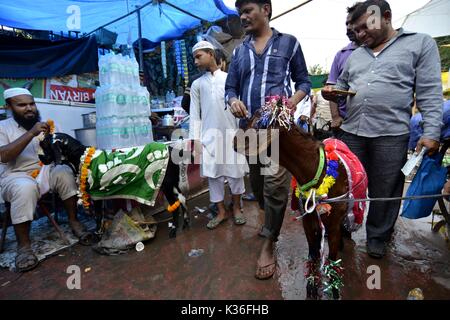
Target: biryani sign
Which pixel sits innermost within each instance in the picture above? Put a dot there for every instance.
(71, 94)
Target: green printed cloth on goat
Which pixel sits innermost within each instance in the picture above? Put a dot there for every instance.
(130, 173)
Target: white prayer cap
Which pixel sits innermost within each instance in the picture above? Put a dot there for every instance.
(13, 92)
(202, 45)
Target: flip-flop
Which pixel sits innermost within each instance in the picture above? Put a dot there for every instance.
(239, 219)
(214, 223)
(26, 256)
(266, 272)
(249, 197)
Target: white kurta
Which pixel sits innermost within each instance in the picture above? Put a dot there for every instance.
(215, 127)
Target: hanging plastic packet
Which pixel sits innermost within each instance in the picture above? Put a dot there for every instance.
(413, 162)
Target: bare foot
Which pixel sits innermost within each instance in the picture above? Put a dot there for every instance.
(266, 264)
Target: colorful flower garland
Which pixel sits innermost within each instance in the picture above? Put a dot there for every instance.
(85, 162)
(330, 177)
(276, 109)
(51, 130)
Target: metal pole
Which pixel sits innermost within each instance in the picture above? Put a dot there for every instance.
(141, 53)
(286, 12)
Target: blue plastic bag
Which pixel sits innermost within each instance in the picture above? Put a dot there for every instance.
(429, 180)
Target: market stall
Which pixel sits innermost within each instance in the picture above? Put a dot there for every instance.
(110, 108)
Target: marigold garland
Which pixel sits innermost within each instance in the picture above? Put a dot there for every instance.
(51, 125)
(85, 162)
(174, 206)
(330, 176)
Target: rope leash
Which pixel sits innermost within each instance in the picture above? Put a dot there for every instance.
(306, 209)
(431, 196)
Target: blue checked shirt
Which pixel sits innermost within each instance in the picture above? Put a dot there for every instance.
(252, 77)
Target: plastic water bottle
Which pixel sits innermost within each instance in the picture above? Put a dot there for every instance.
(135, 72)
(103, 67)
(142, 129)
(121, 103)
(115, 71)
(143, 106)
(115, 131)
(99, 101)
(99, 126)
(134, 101)
(109, 102)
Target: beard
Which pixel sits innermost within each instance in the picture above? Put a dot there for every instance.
(27, 123)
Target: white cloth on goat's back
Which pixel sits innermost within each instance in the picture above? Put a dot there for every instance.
(215, 126)
(28, 159)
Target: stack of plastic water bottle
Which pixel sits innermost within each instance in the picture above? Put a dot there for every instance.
(122, 104)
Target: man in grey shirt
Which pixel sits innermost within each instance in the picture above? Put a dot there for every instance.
(385, 72)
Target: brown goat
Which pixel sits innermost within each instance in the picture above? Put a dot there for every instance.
(299, 154)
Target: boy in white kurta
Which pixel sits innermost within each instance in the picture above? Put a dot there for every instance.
(213, 125)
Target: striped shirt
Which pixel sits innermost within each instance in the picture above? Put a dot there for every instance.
(252, 77)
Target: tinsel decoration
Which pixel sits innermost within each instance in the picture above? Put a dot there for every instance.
(334, 272)
(275, 110)
(185, 72)
(164, 58)
(312, 273)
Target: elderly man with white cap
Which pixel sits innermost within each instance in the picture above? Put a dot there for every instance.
(214, 126)
(19, 154)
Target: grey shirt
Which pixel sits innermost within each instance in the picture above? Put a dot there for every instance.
(385, 85)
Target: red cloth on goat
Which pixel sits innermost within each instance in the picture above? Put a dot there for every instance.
(357, 180)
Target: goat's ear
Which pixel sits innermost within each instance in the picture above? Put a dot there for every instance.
(57, 152)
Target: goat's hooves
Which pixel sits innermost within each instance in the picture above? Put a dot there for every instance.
(312, 292)
(173, 233)
(336, 294)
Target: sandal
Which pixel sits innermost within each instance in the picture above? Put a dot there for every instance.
(239, 219)
(266, 272)
(85, 237)
(249, 197)
(214, 223)
(25, 259)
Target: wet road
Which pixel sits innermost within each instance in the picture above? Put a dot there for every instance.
(163, 270)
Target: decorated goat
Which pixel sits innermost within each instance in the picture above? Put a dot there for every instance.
(323, 171)
(136, 173)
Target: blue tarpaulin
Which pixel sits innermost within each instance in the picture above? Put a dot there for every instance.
(25, 58)
(160, 21)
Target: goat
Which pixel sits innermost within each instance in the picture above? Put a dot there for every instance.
(60, 148)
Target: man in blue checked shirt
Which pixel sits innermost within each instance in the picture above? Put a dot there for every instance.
(263, 66)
